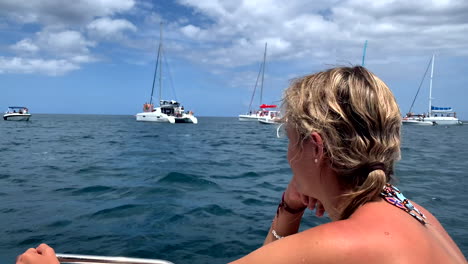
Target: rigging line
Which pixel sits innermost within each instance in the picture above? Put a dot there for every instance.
(420, 84)
(155, 72)
(170, 75)
(255, 88)
(263, 73)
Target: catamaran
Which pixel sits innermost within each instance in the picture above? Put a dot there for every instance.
(264, 111)
(436, 115)
(269, 116)
(17, 113)
(169, 111)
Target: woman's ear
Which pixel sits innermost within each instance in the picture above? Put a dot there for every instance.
(317, 145)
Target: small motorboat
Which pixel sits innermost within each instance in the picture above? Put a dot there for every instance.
(17, 113)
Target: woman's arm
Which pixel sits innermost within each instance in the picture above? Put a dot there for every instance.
(289, 213)
(286, 222)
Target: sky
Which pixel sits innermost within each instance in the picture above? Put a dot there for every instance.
(98, 56)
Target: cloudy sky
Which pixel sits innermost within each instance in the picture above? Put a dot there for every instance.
(98, 56)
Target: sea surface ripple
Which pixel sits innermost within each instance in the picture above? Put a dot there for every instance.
(206, 193)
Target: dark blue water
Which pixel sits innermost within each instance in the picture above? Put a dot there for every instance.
(206, 193)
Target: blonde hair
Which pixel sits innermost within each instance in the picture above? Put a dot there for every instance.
(359, 121)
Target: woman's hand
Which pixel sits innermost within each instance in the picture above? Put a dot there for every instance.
(43, 254)
(296, 200)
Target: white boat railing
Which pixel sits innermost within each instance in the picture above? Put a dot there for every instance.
(89, 259)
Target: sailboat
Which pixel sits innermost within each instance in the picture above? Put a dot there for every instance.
(436, 115)
(169, 111)
(264, 111)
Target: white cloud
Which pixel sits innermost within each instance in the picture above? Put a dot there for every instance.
(40, 66)
(50, 53)
(324, 32)
(25, 45)
(64, 43)
(190, 31)
(49, 12)
(82, 59)
(61, 45)
(106, 28)
(233, 33)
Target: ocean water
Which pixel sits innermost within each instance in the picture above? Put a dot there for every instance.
(206, 193)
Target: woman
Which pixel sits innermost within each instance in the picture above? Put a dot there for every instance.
(343, 127)
(344, 139)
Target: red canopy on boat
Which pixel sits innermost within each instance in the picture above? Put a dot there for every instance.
(267, 106)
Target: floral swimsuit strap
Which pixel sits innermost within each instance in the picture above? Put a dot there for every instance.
(394, 196)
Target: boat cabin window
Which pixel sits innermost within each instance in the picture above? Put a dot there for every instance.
(167, 111)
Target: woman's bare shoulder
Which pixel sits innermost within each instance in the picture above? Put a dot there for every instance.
(334, 242)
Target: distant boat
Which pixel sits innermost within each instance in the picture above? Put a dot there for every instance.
(256, 115)
(169, 111)
(436, 115)
(17, 113)
(269, 116)
(416, 120)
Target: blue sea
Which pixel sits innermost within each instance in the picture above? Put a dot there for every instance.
(206, 193)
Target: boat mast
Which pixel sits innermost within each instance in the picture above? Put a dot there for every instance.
(263, 73)
(364, 53)
(160, 61)
(420, 84)
(430, 86)
(155, 73)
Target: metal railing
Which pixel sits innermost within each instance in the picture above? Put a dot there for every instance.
(88, 259)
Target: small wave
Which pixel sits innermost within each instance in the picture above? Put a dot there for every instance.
(67, 189)
(220, 143)
(60, 223)
(36, 240)
(256, 202)
(245, 175)
(8, 210)
(51, 167)
(93, 189)
(18, 180)
(270, 186)
(194, 181)
(153, 191)
(19, 231)
(177, 218)
(88, 169)
(150, 136)
(250, 174)
(212, 209)
(113, 142)
(4, 176)
(120, 211)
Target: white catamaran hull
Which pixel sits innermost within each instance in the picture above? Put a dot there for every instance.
(444, 121)
(268, 121)
(16, 117)
(155, 117)
(163, 118)
(249, 117)
(413, 122)
(186, 119)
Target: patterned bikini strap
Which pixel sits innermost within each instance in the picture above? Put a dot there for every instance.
(392, 195)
